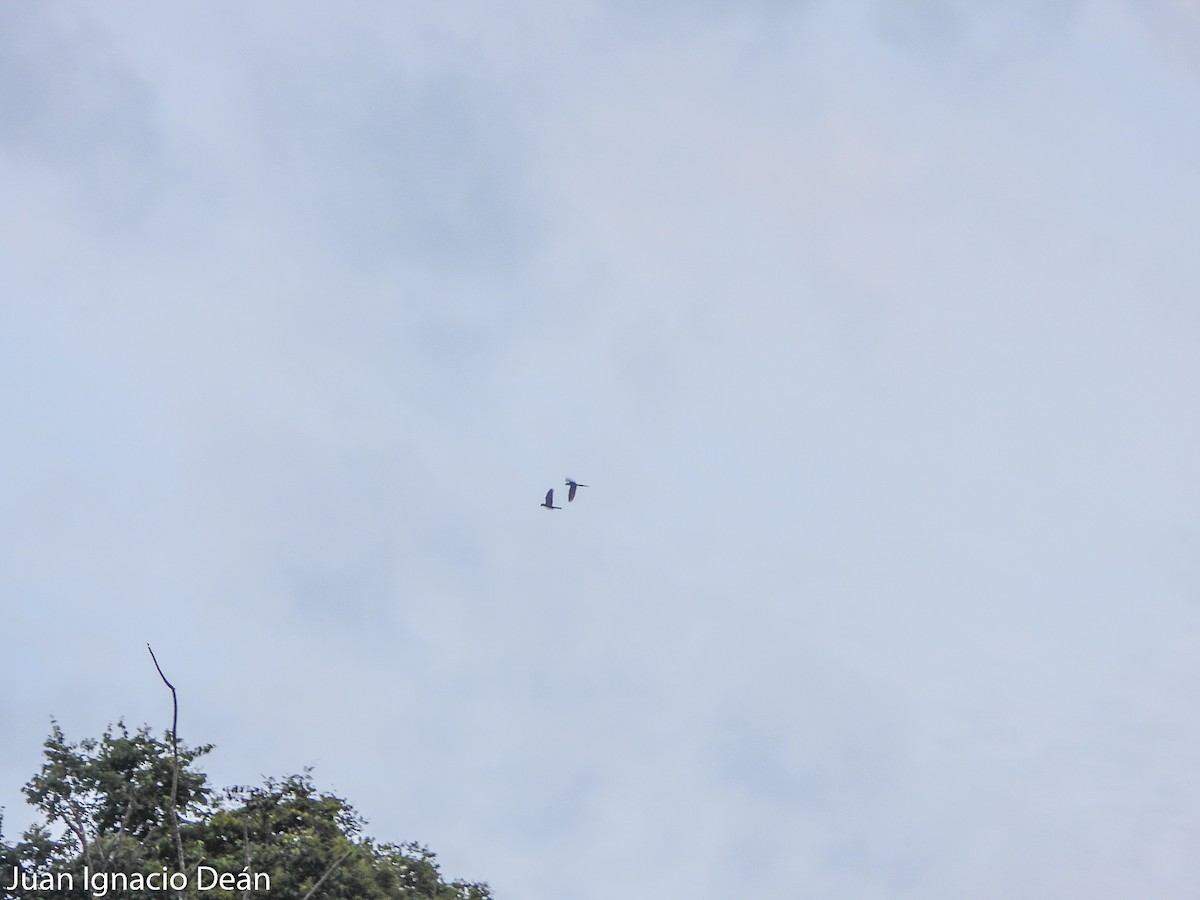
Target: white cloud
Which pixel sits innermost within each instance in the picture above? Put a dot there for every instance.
(870, 330)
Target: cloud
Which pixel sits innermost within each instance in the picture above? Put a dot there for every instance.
(882, 377)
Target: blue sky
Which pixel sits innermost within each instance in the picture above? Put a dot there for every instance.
(871, 327)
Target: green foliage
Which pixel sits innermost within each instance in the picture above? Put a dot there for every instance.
(109, 800)
(113, 789)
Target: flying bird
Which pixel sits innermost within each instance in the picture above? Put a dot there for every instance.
(572, 485)
(549, 504)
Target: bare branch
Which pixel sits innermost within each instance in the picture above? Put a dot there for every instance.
(333, 865)
(76, 822)
(172, 811)
(174, 697)
(116, 843)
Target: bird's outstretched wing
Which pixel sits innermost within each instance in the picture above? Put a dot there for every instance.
(571, 492)
(550, 497)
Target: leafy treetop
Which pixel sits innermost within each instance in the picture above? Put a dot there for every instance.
(106, 804)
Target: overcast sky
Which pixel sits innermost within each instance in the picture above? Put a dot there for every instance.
(872, 326)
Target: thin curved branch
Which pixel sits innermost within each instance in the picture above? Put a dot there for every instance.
(337, 862)
(116, 843)
(172, 811)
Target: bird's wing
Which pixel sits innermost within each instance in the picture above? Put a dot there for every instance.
(571, 493)
(550, 496)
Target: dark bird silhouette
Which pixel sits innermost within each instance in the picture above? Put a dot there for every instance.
(549, 504)
(572, 485)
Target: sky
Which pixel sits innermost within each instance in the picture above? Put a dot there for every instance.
(871, 327)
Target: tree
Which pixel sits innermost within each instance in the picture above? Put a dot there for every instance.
(105, 805)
